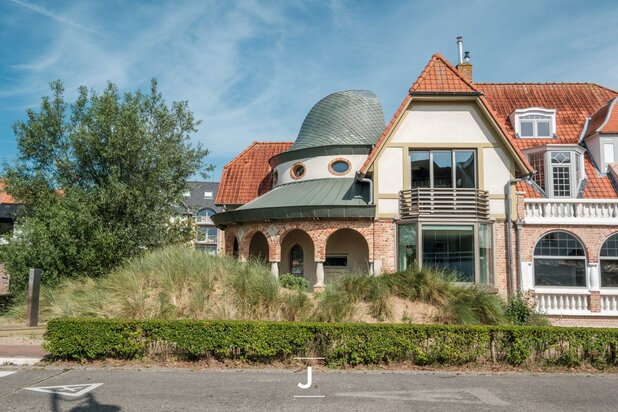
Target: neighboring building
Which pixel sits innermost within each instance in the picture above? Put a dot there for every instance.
(8, 208)
(435, 186)
(199, 202)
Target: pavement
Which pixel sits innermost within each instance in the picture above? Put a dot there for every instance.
(156, 389)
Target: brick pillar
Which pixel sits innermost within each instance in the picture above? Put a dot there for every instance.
(594, 301)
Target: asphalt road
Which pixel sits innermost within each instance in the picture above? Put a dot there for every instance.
(272, 390)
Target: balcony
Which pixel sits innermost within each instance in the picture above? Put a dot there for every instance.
(571, 211)
(203, 220)
(428, 203)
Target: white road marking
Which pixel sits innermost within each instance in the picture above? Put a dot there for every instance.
(469, 396)
(67, 390)
(6, 373)
(310, 396)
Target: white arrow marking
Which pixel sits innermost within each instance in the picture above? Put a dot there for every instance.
(6, 373)
(67, 390)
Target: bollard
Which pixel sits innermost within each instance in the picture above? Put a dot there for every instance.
(34, 287)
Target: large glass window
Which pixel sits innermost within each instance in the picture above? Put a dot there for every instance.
(609, 262)
(406, 238)
(559, 260)
(537, 161)
(450, 248)
(443, 168)
(207, 234)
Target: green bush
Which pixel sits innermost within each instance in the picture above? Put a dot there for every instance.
(6, 303)
(341, 344)
(520, 312)
(294, 282)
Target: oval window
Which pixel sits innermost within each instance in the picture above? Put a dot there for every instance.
(339, 167)
(298, 171)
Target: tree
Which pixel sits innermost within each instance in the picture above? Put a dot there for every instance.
(100, 180)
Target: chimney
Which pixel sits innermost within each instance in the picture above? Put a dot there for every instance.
(464, 67)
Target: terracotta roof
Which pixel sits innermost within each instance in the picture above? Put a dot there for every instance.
(605, 120)
(440, 76)
(248, 175)
(574, 103)
(5, 197)
(528, 189)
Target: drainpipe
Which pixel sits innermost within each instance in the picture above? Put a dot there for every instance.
(518, 255)
(509, 226)
(362, 179)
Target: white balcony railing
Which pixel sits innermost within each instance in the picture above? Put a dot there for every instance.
(207, 239)
(609, 304)
(203, 220)
(571, 211)
(562, 303)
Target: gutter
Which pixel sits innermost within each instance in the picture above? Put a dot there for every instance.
(509, 225)
(360, 177)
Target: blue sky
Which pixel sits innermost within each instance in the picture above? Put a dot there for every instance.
(251, 70)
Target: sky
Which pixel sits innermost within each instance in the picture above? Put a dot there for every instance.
(251, 70)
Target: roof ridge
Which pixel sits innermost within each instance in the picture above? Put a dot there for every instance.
(546, 83)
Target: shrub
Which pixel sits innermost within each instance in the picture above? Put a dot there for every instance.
(334, 305)
(521, 312)
(294, 282)
(341, 344)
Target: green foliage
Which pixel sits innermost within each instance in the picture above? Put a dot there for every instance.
(99, 179)
(6, 303)
(334, 305)
(294, 282)
(341, 344)
(521, 312)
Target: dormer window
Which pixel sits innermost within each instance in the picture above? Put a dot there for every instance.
(534, 122)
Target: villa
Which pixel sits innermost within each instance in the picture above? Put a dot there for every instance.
(467, 176)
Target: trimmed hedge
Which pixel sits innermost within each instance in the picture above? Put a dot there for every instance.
(342, 344)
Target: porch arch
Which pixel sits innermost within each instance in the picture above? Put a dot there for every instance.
(346, 250)
(258, 247)
(295, 239)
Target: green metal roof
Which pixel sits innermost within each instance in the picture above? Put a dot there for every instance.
(324, 198)
(349, 117)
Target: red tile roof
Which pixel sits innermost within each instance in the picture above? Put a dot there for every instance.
(605, 120)
(5, 197)
(440, 76)
(248, 175)
(528, 189)
(574, 103)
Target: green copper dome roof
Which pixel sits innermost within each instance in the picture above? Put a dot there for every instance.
(349, 117)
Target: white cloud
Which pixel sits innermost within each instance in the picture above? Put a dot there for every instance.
(55, 16)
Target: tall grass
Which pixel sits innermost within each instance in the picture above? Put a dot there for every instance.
(180, 282)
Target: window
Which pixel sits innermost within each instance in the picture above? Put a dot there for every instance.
(450, 248)
(464, 249)
(443, 168)
(211, 250)
(207, 234)
(336, 261)
(406, 239)
(534, 123)
(208, 195)
(297, 171)
(206, 212)
(558, 172)
(297, 260)
(339, 167)
(609, 262)
(559, 260)
(537, 161)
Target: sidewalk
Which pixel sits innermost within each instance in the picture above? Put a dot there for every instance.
(21, 345)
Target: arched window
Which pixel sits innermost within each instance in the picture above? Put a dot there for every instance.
(206, 212)
(609, 262)
(297, 261)
(559, 260)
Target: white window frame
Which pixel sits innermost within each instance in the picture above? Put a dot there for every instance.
(517, 115)
(576, 165)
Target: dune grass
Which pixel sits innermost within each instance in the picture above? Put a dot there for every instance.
(180, 282)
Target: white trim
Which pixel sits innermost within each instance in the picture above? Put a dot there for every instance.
(516, 116)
